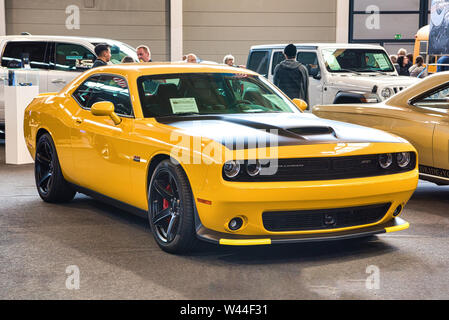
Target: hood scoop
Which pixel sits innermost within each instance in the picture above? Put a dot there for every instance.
(315, 132)
(309, 131)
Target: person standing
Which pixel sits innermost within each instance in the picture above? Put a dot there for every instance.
(192, 58)
(103, 52)
(403, 66)
(291, 76)
(143, 53)
(417, 69)
(229, 60)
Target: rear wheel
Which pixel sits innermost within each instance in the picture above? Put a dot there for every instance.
(50, 182)
(170, 209)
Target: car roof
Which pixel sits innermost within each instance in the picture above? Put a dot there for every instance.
(175, 66)
(318, 45)
(154, 68)
(56, 38)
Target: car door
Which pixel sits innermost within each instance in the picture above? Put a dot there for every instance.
(68, 60)
(436, 104)
(310, 60)
(100, 148)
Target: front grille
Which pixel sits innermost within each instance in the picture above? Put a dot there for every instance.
(303, 220)
(313, 169)
(398, 89)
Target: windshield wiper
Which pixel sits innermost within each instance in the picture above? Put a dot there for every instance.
(381, 72)
(186, 113)
(352, 71)
(180, 114)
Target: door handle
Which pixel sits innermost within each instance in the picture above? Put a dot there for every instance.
(78, 120)
(58, 81)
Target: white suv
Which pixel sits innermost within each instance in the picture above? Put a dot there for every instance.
(55, 60)
(339, 73)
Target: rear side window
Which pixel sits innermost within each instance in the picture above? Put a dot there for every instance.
(111, 88)
(259, 62)
(437, 98)
(18, 51)
(72, 57)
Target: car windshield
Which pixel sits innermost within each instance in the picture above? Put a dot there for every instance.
(356, 60)
(119, 50)
(209, 93)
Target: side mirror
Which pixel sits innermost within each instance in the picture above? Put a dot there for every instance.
(301, 104)
(105, 108)
(317, 75)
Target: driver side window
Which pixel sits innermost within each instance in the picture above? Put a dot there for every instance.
(111, 88)
(310, 61)
(435, 99)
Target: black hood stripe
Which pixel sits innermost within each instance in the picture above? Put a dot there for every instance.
(298, 132)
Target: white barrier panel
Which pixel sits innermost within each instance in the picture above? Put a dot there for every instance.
(17, 98)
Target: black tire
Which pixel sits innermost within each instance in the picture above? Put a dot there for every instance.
(50, 182)
(170, 209)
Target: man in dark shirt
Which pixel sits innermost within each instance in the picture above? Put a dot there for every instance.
(291, 76)
(103, 52)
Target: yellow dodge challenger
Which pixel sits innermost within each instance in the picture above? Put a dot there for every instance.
(216, 153)
(418, 114)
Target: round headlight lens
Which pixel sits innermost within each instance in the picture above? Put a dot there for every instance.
(403, 159)
(386, 93)
(385, 160)
(231, 169)
(253, 168)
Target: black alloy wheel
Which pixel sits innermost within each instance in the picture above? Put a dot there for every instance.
(50, 182)
(170, 204)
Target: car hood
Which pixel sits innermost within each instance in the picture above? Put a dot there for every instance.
(367, 82)
(268, 129)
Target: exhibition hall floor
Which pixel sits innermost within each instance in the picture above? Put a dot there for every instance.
(117, 257)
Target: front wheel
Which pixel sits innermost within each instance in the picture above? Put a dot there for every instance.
(170, 209)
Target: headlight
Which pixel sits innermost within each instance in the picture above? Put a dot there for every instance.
(403, 159)
(253, 168)
(386, 93)
(385, 160)
(231, 169)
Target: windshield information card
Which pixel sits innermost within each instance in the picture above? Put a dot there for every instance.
(183, 105)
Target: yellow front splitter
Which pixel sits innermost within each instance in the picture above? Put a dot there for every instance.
(396, 224)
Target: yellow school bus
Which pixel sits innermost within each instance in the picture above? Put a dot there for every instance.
(421, 48)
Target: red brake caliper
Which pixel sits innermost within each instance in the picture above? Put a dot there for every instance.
(165, 203)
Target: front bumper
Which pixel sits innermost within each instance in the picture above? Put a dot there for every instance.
(250, 200)
(396, 224)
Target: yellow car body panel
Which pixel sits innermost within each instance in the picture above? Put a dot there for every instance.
(425, 127)
(115, 160)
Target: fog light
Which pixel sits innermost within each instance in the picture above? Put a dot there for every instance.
(397, 211)
(235, 223)
(385, 160)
